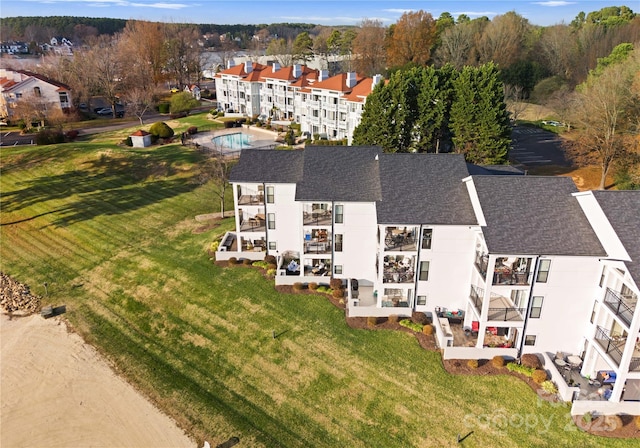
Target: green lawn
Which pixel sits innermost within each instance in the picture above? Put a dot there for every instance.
(112, 232)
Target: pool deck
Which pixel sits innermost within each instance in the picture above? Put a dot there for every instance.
(261, 138)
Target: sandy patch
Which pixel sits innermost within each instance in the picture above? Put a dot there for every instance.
(57, 391)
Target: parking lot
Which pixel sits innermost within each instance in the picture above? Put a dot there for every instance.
(533, 147)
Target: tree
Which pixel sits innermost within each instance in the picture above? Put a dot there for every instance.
(302, 47)
(503, 41)
(282, 50)
(376, 125)
(183, 63)
(479, 120)
(606, 114)
(458, 44)
(368, 47)
(411, 40)
(182, 102)
(104, 68)
(138, 101)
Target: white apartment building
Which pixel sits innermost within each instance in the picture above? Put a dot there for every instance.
(21, 85)
(328, 106)
(525, 264)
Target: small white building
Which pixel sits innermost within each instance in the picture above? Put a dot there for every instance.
(140, 139)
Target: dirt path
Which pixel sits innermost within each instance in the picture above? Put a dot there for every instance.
(58, 392)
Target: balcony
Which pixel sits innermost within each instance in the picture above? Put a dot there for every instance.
(316, 216)
(622, 306)
(317, 247)
(400, 239)
(500, 308)
(398, 269)
(613, 345)
(254, 223)
(251, 198)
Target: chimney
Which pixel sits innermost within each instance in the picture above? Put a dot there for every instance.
(351, 79)
(297, 71)
(376, 81)
(275, 67)
(231, 63)
(248, 67)
(322, 75)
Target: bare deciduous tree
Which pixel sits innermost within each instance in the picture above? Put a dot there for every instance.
(504, 39)
(368, 48)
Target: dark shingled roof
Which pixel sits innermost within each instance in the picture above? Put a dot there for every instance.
(268, 165)
(533, 215)
(622, 209)
(340, 173)
(424, 189)
(503, 170)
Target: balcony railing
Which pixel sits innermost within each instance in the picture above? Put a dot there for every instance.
(623, 307)
(250, 198)
(317, 247)
(476, 296)
(610, 345)
(511, 278)
(506, 314)
(318, 217)
(398, 276)
(253, 225)
(482, 263)
(399, 241)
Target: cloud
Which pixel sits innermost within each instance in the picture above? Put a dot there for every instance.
(475, 13)
(554, 3)
(398, 10)
(330, 19)
(160, 5)
(126, 3)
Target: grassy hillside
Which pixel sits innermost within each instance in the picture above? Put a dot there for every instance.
(112, 232)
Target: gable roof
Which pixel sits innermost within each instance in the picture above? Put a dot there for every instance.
(337, 83)
(287, 73)
(340, 173)
(622, 209)
(268, 165)
(360, 91)
(422, 188)
(532, 215)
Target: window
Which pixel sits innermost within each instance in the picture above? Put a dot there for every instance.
(421, 300)
(543, 270)
(602, 277)
(64, 98)
(426, 238)
(593, 312)
(271, 221)
(338, 243)
(424, 271)
(270, 195)
(272, 245)
(37, 92)
(530, 340)
(337, 269)
(536, 307)
(339, 214)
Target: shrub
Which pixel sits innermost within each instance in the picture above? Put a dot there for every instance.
(297, 286)
(323, 288)
(393, 318)
(411, 325)
(313, 286)
(229, 124)
(163, 108)
(519, 368)
(611, 422)
(128, 141)
(498, 361)
(72, 134)
(270, 259)
(271, 272)
(161, 129)
(420, 318)
(49, 137)
(214, 246)
(587, 418)
(549, 387)
(427, 329)
(531, 360)
(247, 262)
(539, 376)
(192, 130)
(335, 283)
(473, 363)
(233, 260)
(272, 266)
(636, 420)
(372, 321)
(338, 293)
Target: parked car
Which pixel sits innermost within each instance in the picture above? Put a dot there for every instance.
(108, 112)
(552, 123)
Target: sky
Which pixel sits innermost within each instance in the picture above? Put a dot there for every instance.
(322, 12)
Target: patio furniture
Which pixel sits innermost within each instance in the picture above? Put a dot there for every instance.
(574, 361)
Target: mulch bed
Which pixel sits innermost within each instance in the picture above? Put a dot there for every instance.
(600, 426)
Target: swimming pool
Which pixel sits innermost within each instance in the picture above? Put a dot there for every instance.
(237, 140)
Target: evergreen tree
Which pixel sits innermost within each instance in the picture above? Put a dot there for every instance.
(479, 120)
(376, 127)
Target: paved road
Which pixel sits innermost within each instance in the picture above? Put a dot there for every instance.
(14, 138)
(533, 147)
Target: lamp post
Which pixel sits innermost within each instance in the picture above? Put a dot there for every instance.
(46, 290)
